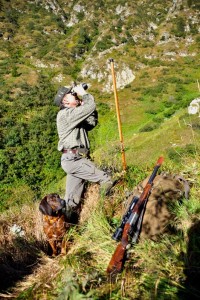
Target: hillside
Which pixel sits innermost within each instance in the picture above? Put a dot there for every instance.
(48, 44)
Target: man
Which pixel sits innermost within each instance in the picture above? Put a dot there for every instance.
(75, 118)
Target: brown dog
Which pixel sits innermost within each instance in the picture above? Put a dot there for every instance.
(54, 222)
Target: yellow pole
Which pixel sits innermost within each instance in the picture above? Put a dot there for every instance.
(118, 114)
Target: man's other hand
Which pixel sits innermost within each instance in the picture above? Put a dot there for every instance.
(79, 90)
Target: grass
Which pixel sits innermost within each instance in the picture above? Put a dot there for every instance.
(155, 270)
(159, 267)
(175, 131)
(154, 122)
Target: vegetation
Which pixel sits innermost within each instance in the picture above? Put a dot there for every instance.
(43, 48)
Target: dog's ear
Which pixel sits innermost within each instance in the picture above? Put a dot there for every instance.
(45, 208)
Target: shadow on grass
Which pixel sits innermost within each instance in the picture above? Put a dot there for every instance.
(192, 265)
(18, 260)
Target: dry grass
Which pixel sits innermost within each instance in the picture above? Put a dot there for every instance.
(40, 281)
(27, 217)
(21, 241)
(28, 221)
(91, 201)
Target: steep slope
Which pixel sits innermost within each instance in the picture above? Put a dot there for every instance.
(46, 44)
(49, 43)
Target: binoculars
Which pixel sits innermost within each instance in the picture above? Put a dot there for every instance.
(84, 85)
(66, 90)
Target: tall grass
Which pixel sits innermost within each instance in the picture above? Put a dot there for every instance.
(154, 270)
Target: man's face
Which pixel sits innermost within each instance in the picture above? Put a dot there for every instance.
(69, 100)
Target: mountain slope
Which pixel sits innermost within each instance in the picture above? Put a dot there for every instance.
(47, 44)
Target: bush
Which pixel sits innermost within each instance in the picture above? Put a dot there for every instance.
(179, 27)
(158, 119)
(169, 112)
(104, 44)
(103, 108)
(177, 154)
(155, 90)
(152, 111)
(149, 127)
(174, 80)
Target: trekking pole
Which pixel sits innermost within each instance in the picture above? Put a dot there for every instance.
(111, 60)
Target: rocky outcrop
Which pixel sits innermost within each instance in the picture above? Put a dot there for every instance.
(124, 75)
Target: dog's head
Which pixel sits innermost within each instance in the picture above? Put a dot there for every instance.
(51, 205)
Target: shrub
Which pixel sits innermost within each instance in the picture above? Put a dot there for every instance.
(103, 108)
(152, 111)
(80, 15)
(198, 40)
(158, 119)
(174, 80)
(149, 127)
(177, 154)
(155, 90)
(169, 112)
(104, 44)
(179, 27)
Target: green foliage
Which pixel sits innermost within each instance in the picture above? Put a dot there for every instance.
(156, 90)
(134, 175)
(103, 108)
(158, 119)
(83, 43)
(74, 70)
(198, 40)
(193, 4)
(160, 94)
(177, 154)
(169, 112)
(105, 43)
(80, 15)
(179, 27)
(26, 153)
(149, 127)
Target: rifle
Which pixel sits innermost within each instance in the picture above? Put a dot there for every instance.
(118, 232)
(133, 215)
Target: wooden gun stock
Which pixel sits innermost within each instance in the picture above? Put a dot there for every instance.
(119, 256)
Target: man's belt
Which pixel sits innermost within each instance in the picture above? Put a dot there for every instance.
(72, 150)
(80, 151)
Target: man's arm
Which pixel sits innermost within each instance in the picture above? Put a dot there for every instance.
(70, 118)
(91, 121)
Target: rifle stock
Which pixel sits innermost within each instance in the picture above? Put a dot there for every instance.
(118, 258)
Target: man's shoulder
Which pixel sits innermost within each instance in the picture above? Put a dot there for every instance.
(67, 112)
(61, 114)
(63, 111)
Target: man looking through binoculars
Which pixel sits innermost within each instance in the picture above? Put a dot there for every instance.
(76, 117)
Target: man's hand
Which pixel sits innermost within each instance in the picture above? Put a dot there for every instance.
(79, 90)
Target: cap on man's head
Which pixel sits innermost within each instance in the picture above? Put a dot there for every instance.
(61, 93)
